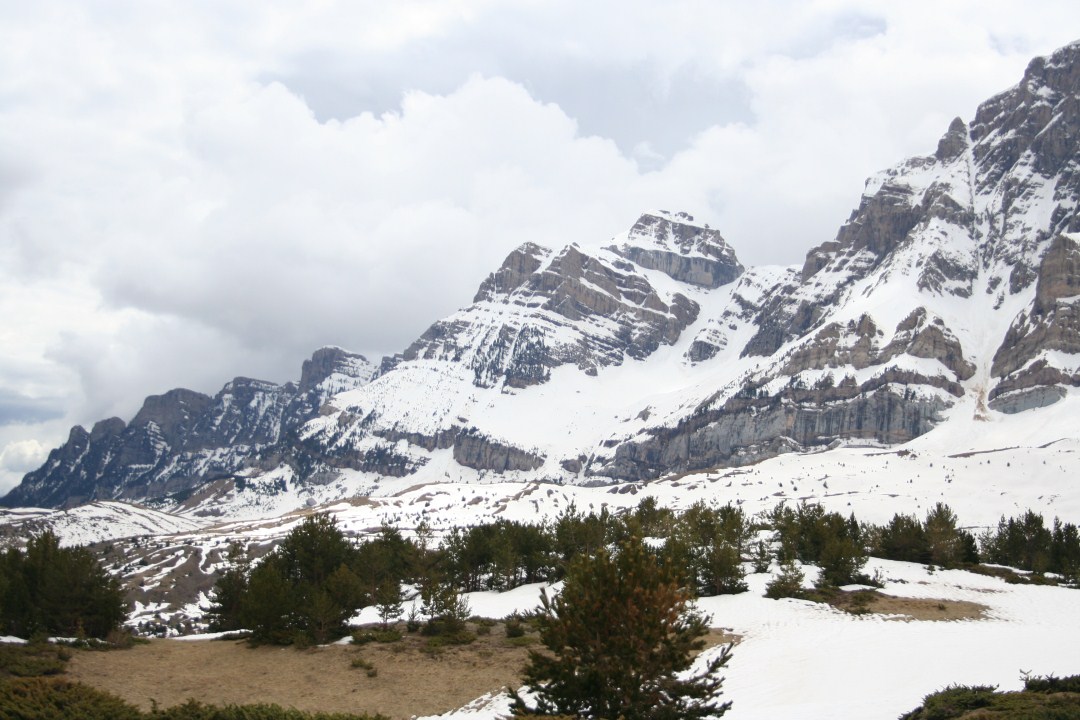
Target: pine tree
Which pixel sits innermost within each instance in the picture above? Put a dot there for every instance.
(786, 584)
(722, 571)
(904, 538)
(942, 536)
(303, 591)
(619, 637)
(388, 601)
(229, 591)
(446, 609)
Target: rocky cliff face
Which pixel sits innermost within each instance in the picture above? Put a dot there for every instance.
(952, 289)
(1039, 356)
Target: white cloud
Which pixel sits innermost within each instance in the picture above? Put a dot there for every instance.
(23, 455)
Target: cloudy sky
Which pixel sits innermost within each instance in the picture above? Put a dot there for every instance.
(195, 191)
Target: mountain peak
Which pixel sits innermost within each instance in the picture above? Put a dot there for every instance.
(954, 141)
(681, 248)
(328, 360)
(1060, 71)
(515, 270)
(678, 232)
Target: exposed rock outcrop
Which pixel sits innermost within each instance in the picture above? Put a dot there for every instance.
(750, 429)
(475, 450)
(1051, 324)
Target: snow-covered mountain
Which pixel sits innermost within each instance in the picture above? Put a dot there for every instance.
(948, 297)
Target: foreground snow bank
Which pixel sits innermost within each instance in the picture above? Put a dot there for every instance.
(804, 660)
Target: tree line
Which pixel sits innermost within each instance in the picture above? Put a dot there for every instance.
(317, 578)
(52, 590)
(306, 589)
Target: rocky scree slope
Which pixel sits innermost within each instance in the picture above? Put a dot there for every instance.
(950, 290)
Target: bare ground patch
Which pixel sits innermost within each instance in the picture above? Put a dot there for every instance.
(860, 602)
(410, 678)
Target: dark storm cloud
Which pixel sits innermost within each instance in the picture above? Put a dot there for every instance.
(16, 408)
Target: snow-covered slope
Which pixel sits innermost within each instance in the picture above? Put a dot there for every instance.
(798, 659)
(91, 523)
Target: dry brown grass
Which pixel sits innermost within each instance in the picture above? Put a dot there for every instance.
(411, 678)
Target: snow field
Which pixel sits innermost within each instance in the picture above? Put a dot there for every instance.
(799, 659)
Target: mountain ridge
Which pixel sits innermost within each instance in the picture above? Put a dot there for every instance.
(656, 353)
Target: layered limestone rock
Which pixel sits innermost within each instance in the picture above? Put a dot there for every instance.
(1031, 355)
(514, 272)
(1025, 143)
(747, 430)
(475, 450)
(857, 345)
(555, 309)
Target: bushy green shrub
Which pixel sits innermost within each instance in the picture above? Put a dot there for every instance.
(522, 641)
(390, 635)
(1051, 684)
(193, 710)
(1046, 699)
(32, 660)
(54, 699)
(955, 700)
(787, 584)
(459, 637)
(363, 637)
(514, 626)
(365, 665)
(51, 699)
